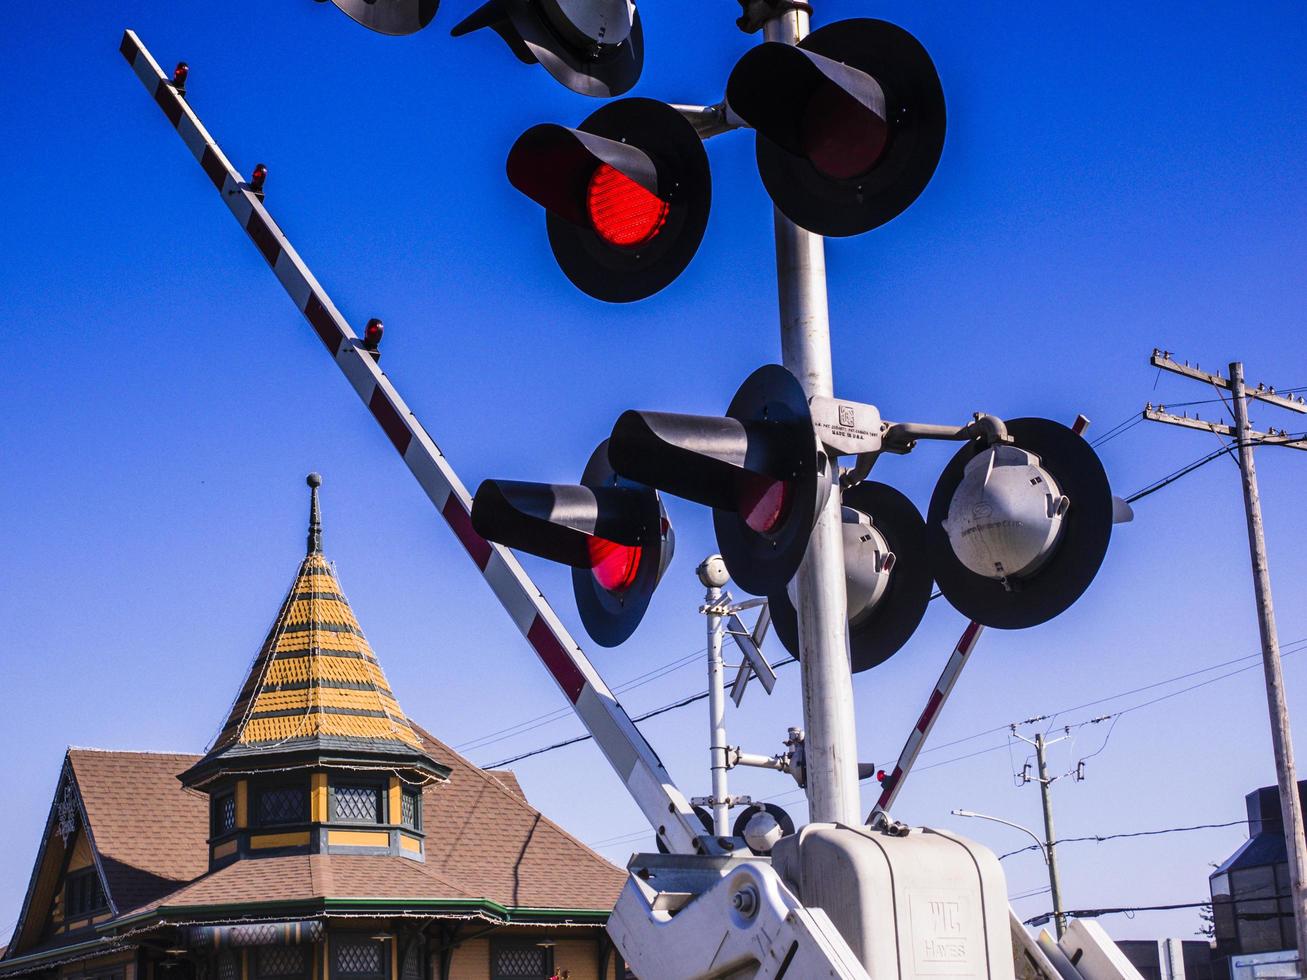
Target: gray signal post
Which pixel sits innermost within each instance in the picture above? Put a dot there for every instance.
(827, 679)
(1281, 738)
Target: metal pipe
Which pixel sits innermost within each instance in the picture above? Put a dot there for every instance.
(710, 120)
(721, 807)
(777, 762)
(989, 426)
(828, 716)
(1281, 737)
(1006, 823)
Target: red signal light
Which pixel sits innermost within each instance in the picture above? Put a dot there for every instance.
(622, 212)
(179, 74)
(764, 502)
(881, 775)
(257, 178)
(614, 565)
(841, 137)
(372, 334)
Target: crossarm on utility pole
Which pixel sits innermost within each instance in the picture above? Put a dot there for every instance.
(636, 763)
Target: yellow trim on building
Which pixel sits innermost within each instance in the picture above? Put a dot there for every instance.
(260, 841)
(396, 800)
(394, 958)
(245, 964)
(242, 803)
(326, 960)
(411, 844)
(225, 849)
(318, 798)
(359, 838)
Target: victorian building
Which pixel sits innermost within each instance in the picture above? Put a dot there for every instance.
(323, 836)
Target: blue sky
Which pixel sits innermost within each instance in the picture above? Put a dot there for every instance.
(1116, 177)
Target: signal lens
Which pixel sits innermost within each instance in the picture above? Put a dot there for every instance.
(613, 565)
(841, 137)
(622, 212)
(763, 501)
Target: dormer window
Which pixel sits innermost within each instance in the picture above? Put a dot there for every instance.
(83, 894)
(411, 804)
(223, 815)
(282, 804)
(357, 802)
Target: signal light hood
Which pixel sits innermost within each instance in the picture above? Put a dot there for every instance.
(594, 47)
(836, 176)
(394, 17)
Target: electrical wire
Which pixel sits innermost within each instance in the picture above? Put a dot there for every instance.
(683, 702)
(1099, 838)
(1178, 474)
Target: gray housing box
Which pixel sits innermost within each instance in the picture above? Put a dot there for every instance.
(927, 904)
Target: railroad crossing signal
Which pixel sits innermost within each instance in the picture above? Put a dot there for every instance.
(758, 468)
(396, 17)
(613, 533)
(1017, 530)
(887, 576)
(626, 195)
(594, 47)
(850, 123)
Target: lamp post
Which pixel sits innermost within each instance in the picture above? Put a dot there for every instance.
(1059, 919)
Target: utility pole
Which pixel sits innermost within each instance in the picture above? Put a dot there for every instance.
(1281, 738)
(831, 741)
(1041, 745)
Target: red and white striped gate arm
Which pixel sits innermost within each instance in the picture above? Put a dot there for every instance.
(635, 761)
(958, 659)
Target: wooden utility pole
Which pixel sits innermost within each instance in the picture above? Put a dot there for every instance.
(1050, 841)
(1281, 738)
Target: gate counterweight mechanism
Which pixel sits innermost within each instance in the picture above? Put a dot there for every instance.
(1016, 530)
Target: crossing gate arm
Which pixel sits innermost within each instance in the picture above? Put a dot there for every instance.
(627, 751)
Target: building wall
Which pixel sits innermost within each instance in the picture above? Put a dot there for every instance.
(471, 961)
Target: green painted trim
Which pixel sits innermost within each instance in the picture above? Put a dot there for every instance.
(55, 953)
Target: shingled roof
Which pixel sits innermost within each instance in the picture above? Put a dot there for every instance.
(315, 687)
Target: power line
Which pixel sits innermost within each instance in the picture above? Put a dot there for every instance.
(1039, 920)
(1099, 838)
(648, 714)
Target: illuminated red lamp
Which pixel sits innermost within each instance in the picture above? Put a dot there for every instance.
(841, 137)
(881, 775)
(622, 212)
(614, 565)
(257, 178)
(179, 76)
(372, 334)
(763, 502)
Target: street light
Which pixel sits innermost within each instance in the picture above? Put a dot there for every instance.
(1059, 919)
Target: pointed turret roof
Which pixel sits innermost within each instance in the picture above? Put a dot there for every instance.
(315, 689)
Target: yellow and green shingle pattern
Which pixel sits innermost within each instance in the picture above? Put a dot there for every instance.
(316, 677)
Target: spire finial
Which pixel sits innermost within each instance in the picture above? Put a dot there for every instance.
(315, 517)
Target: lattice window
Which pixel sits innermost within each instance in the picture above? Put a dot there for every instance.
(224, 814)
(411, 810)
(283, 804)
(282, 961)
(520, 962)
(412, 966)
(359, 957)
(228, 968)
(359, 804)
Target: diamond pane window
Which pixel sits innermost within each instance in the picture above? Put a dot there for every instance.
(357, 804)
(227, 968)
(520, 963)
(282, 961)
(283, 804)
(224, 814)
(411, 810)
(358, 958)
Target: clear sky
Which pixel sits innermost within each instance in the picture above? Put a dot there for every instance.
(1117, 176)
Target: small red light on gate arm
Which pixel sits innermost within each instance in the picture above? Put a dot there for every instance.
(179, 74)
(881, 775)
(622, 212)
(613, 565)
(372, 334)
(257, 178)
